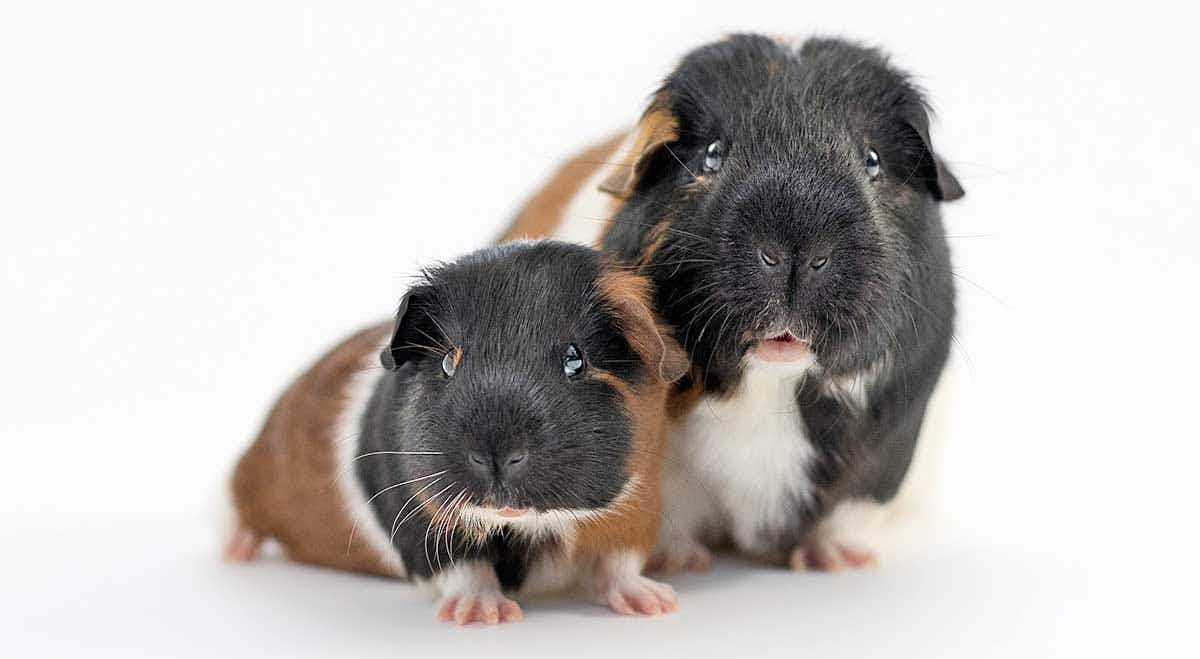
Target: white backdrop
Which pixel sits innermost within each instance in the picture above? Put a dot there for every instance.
(195, 201)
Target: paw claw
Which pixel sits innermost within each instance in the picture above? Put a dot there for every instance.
(824, 556)
(488, 608)
(637, 595)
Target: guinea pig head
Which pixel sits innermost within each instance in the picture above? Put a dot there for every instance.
(784, 201)
(519, 367)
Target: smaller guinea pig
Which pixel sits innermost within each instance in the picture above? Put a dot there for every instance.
(511, 443)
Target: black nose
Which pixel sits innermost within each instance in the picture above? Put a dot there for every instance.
(498, 465)
(789, 270)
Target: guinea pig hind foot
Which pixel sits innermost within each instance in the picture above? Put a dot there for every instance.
(679, 554)
(824, 555)
(243, 545)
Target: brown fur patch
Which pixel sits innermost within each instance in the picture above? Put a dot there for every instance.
(542, 214)
(657, 126)
(653, 340)
(634, 525)
(284, 487)
(681, 401)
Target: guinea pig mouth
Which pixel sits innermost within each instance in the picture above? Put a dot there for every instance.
(783, 347)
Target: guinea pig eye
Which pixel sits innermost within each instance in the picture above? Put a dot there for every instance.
(872, 164)
(450, 362)
(714, 155)
(572, 361)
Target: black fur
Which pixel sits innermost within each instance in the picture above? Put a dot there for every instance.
(796, 126)
(512, 310)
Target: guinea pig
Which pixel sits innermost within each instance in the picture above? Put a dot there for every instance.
(511, 443)
(784, 202)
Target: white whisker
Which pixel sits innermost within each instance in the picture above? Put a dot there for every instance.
(364, 455)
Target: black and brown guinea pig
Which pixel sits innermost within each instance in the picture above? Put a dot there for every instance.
(510, 443)
(784, 202)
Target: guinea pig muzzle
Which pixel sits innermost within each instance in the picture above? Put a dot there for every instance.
(781, 347)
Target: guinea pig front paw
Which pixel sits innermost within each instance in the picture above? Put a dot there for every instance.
(489, 607)
(830, 556)
(633, 595)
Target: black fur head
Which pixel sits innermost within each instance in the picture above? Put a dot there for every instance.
(781, 189)
(503, 368)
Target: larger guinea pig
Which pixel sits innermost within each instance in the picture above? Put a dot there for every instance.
(784, 202)
(511, 443)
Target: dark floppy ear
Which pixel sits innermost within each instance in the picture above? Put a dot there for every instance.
(653, 341)
(399, 350)
(948, 187)
(942, 183)
(657, 127)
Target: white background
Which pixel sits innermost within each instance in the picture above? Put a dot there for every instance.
(196, 201)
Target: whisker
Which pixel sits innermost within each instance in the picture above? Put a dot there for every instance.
(396, 522)
(365, 455)
(681, 163)
(425, 540)
(407, 482)
(354, 526)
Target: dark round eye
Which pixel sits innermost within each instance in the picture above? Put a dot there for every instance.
(872, 164)
(572, 361)
(450, 362)
(714, 155)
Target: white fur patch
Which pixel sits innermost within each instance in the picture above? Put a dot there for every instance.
(559, 524)
(346, 433)
(466, 578)
(741, 461)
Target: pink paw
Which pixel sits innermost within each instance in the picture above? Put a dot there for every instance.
(682, 557)
(489, 608)
(829, 557)
(638, 595)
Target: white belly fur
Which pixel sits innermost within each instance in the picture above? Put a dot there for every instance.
(735, 464)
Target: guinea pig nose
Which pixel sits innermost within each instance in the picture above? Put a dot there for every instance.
(818, 262)
(478, 458)
(768, 256)
(514, 463)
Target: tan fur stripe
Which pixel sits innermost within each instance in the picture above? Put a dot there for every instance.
(543, 212)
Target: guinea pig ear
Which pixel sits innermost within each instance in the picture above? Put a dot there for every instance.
(655, 129)
(948, 187)
(653, 341)
(399, 350)
(943, 184)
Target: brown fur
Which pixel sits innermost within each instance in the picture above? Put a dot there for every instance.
(634, 525)
(284, 486)
(656, 127)
(543, 212)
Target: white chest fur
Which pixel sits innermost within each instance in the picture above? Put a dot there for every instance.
(746, 456)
